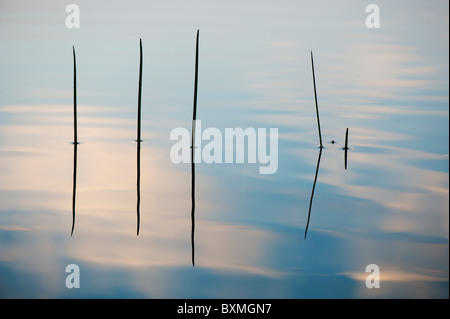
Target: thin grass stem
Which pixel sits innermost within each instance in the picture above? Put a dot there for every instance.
(75, 139)
(138, 182)
(315, 97)
(194, 118)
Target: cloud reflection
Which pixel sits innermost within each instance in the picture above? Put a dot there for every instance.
(105, 203)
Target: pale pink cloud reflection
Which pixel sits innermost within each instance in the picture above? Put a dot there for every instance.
(39, 172)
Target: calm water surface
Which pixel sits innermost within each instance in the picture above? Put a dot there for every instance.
(388, 86)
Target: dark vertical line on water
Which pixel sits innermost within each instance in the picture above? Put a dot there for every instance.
(312, 192)
(138, 187)
(194, 115)
(315, 97)
(194, 118)
(138, 179)
(193, 205)
(74, 188)
(75, 133)
(75, 137)
(346, 147)
(139, 92)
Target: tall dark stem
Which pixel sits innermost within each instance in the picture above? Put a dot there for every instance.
(315, 97)
(75, 138)
(138, 182)
(194, 118)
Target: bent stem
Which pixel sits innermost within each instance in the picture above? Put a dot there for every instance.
(312, 192)
(315, 97)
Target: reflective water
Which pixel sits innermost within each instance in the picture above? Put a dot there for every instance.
(389, 207)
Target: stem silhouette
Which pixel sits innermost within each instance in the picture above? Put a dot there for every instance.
(312, 192)
(138, 182)
(346, 147)
(194, 118)
(315, 98)
(75, 137)
(74, 188)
